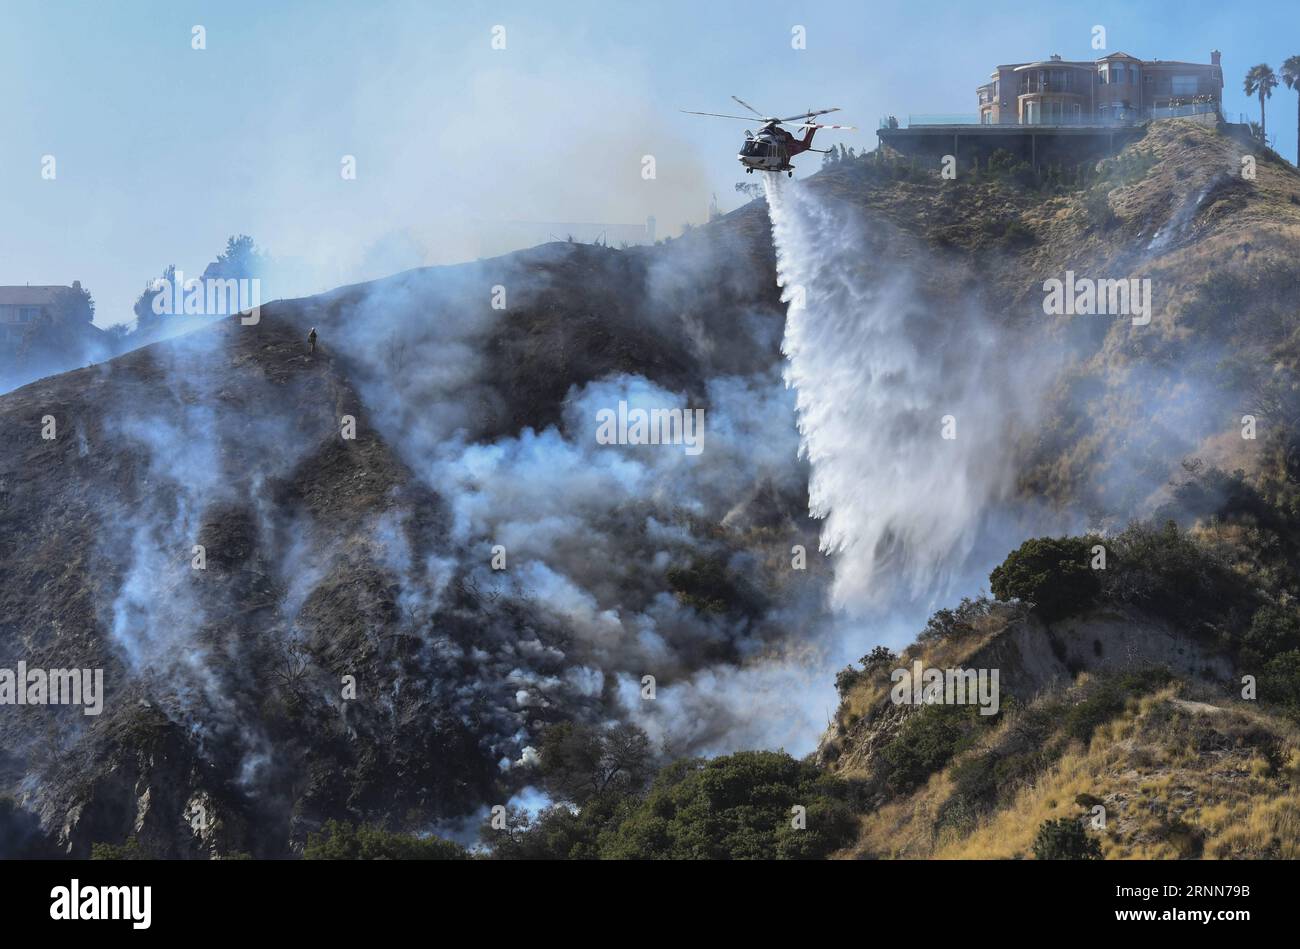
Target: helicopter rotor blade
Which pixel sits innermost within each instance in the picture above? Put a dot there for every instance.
(808, 115)
(719, 115)
(816, 125)
(751, 108)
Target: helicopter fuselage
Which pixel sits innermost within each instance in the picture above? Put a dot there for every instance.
(771, 149)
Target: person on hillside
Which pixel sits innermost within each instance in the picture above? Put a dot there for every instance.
(311, 341)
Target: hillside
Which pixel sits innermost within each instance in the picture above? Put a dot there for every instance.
(228, 726)
(225, 728)
(1132, 702)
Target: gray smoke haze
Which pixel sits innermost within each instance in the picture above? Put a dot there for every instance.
(226, 451)
(464, 444)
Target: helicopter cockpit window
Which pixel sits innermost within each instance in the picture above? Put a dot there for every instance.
(755, 149)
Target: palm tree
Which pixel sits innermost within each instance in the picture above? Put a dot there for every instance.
(1261, 81)
(1291, 76)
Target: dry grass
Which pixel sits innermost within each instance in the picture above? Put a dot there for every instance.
(1176, 782)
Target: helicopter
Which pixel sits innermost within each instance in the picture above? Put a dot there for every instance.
(772, 147)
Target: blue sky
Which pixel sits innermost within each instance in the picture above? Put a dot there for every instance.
(163, 151)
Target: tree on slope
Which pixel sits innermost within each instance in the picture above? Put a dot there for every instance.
(1291, 76)
(1261, 81)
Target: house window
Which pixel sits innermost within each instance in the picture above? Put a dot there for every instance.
(1184, 85)
(28, 314)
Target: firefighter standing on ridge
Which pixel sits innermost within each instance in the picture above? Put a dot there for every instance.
(311, 341)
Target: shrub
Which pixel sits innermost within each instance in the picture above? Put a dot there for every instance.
(339, 840)
(1003, 164)
(880, 658)
(1065, 839)
(581, 761)
(1105, 697)
(1016, 234)
(927, 742)
(946, 625)
(1273, 630)
(1054, 574)
(706, 586)
(559, 832)
(846, 679)
(130, 849)
(1165, 571)
(737, 807)
(1280, 682)
(1096, 205)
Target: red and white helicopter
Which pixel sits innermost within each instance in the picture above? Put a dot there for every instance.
(772, 147)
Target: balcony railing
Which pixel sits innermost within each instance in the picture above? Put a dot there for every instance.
(1085, 121)
(1191, 108)
(950, 119)
(1067, 87)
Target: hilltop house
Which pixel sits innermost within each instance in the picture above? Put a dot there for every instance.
(1065, 111)
(21, 307)
(46, 330)
(1118, 88)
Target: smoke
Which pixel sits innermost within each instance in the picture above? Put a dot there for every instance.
(621, 564)
(374, 558)
(482, 565)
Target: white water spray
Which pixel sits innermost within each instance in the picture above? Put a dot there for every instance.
(881, 377)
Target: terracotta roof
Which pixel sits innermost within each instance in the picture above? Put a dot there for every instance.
(29, 296)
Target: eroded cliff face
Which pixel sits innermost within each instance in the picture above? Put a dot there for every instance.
(1032, 659)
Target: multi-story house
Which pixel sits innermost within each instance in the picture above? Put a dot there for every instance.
(1116, 89)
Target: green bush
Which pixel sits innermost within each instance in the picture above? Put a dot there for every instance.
(339, 840)
(1002, 164)
(130, 849)
(561, 832)
(880, 659)
(580, 761)
(1096, 204)
(1273, 630)
(928, 740)
(737, 807)
(1105, 697)
(946, 625)
(1065, 839)
(846, 679)
(708, 587)
(1279, 682)
(1168, 573)
(1054, 574)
